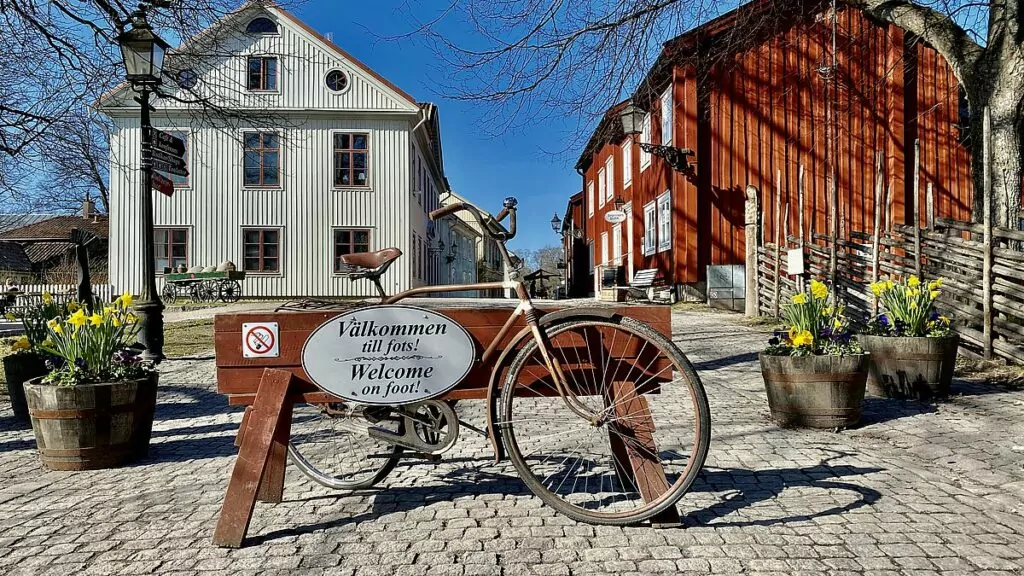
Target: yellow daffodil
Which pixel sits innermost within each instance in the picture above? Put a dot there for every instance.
(126, 299)
(837, 323)
(108, 310)
(115, 321)
(21, 343)
(934, 294)
(78, 319)
(819, 290)
(829, 311)
(793, 331)
(935, 284)
(800, 298)
(913, 305)
(131, 318)
(47, 298)
(889, 284)
(58, 329)
(96, 319)
(804, 338)
(73, 306)
(913, 281)
(944, 319)
(52, 323)
(878, 288)
(915, 292)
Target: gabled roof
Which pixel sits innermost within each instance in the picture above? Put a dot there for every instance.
(12, 221)
(270, 6)
(13, 258)
(58, 227)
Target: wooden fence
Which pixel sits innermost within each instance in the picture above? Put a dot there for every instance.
(32, 294)
(985, 300)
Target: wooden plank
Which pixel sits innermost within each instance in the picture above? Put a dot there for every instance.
(272, 484)
(986, 273)
(240, 499)
(635, 427)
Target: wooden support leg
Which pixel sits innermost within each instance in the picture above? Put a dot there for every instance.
(241, 427)
(252, 459)
(272, 484)
(634, 428)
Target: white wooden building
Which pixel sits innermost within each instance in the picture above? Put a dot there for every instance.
(300, 153)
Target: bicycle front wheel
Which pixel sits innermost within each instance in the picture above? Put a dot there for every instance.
(647, 435)
(330, 444)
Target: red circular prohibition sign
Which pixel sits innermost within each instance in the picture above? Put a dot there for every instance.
(264, 337)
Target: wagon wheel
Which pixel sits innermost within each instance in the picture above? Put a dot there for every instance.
(169, 292)
(194, 291)
(229, 291)
(208, 290)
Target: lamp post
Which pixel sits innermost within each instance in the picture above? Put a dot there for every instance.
(632, 117)
(143, 54)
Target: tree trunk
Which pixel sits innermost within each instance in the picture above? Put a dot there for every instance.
(1005, 151)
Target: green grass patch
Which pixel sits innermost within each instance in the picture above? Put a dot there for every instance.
(188, 338)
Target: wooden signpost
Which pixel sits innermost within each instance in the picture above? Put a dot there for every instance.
(270, 384)
(168, 155)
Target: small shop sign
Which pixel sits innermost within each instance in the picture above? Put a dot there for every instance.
(388, 355)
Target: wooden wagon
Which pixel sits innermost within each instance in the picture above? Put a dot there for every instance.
(203, 286)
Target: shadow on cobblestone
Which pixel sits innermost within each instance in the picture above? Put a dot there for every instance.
(726, 361)
(9, 422)
(190, 402)
(877, 410)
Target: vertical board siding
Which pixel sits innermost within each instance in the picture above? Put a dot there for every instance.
(215, 207)
(777, 105)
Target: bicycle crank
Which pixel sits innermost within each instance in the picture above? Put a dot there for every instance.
(428, 427)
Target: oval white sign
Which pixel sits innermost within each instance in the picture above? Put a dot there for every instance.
(614, 216)
(388, 355)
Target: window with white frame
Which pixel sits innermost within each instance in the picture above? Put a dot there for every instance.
(665, 221)
(627, 162)
(609, 170)
(590, 198)
(666, 117)
(602, 187)
(645, 136)
(650, 227)
(604, 248)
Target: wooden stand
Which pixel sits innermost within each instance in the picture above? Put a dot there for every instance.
(269, 387)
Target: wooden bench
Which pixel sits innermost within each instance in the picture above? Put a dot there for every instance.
(269, 387)
(643, 281)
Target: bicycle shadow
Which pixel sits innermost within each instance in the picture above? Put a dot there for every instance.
(746, 489)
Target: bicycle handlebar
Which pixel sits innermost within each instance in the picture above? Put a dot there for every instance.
(487, 223)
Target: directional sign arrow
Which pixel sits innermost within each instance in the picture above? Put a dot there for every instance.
(168, 143)
(163, 184)
(169, 168)
(170, 159)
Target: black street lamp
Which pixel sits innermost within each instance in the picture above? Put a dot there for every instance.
(556, 223)
(632, 117)
(143, 54)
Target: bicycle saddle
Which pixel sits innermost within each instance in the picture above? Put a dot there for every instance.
(372, 260)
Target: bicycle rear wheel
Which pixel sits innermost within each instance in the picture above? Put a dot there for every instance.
(330, 444)
(646, 446)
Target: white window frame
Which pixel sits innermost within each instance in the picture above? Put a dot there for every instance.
(609, 172)
(590, 199)
(617, 244)
(650, 227)
(627, 162)
(665, 221)
(666, 117)
(645, 136)
(602, 187)
(604, 248)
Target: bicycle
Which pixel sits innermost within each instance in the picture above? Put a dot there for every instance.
(574, 377)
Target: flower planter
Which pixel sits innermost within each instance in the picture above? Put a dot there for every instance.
(910, 367)
(18, 369)
(815, 391)
(92, 426)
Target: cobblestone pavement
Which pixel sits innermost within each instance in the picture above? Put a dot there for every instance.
(919, 489)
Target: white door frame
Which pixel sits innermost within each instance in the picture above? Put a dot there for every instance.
(630, 262)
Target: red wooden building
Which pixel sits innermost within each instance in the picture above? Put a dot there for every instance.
(760, 92)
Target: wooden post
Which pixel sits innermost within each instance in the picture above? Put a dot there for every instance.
(986, 272)
(833, 228)
(888, 208)
(778, 243)
(917, 207)
(876, 236)
(800, 216)
(752, 235)
(257, 445)
(929, 207)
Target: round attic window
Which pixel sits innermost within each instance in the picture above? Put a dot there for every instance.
(187, 79)
(336, 80)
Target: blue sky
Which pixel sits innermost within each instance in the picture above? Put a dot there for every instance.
(480, 167)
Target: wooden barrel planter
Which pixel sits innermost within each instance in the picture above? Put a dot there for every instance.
(910, 367)
(18, 369)
(92, 426)
(815, 391)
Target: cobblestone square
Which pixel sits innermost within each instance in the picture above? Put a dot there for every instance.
(918, 489)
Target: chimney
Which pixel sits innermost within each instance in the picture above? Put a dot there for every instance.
(88, 209)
